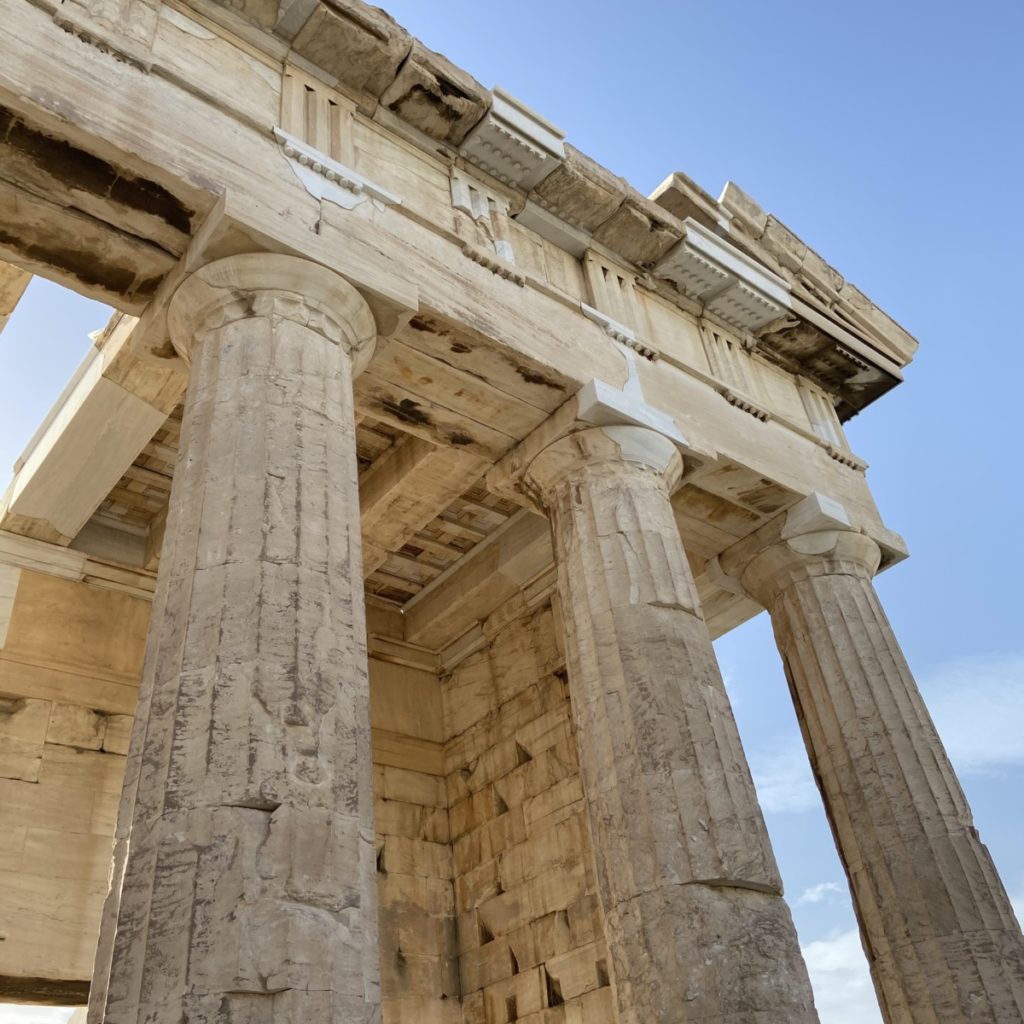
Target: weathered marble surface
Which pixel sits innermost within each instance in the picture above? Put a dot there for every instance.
(249, 889)
(937, 927)
(696, 925)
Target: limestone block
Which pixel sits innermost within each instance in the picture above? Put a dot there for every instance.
(51, 854)
(584, 919)
(409, 786)
(50, 925)
(417, 1009)
(475, 886)
(597, 1007)
(580, 191)
(396, 818)
(486, 964)
(360, 45)
(542, 939)
(561, 800)
(561, 845)
(469, 694)
(65, 624)
(22, 734)
(579, 971)
(490, 840)
(514, 144)
(639, 231)
(13, 282)
(744, 208)
(9, 576)
(433, 95)
(495, 763)
(415, 857)
(473, 1011)
(548, 891)
(72, 725)
(117, 734)
(12, 846)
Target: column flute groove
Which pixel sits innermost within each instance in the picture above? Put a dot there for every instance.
(249, 885)
(695, 922)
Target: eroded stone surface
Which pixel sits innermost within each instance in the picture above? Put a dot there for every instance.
(684, 864)
(937, 927)
(249, 888)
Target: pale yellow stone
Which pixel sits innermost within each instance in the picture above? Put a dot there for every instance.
(23, 726)
(74, 726)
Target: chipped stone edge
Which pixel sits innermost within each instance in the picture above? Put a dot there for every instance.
(325, 178)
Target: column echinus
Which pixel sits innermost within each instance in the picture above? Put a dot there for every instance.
(938, 930)
(695, 921)
(249, 884)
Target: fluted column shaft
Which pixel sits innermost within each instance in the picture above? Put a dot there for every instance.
(696, 924)
(249, 887)
(937, 927)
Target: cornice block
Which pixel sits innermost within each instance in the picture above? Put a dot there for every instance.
(514, 144)
(729, 283)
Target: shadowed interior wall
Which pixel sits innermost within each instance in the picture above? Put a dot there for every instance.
(529, 926)
(69, 668)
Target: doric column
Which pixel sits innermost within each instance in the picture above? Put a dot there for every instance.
(696, 924)
(937, 928)
(249, 887)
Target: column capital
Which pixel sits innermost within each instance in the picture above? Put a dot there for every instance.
(815, 537)
(623, 445)
(822, 553)
(278, 287)
(620, 425)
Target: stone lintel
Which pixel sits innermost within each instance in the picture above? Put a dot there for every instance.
(110, 409)
(19, 552)
(232, 228)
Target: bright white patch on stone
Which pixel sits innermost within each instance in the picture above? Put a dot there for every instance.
(842, 984)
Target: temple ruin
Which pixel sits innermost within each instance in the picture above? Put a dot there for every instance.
(357, 596)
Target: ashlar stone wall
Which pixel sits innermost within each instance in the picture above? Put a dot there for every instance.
(70, 657)
(529, 925)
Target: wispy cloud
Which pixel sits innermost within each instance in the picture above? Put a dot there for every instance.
(821, 892)
(782, 776)
(978, 707)
(841, 981)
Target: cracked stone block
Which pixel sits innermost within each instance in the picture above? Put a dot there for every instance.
(435, 96)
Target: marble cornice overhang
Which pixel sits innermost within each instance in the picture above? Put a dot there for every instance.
(829, 331)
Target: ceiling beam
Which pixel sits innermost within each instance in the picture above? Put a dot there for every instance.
(494, 571)
(109, 411)
(405, 489)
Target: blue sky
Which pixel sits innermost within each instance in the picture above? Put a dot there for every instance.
(888, 136)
